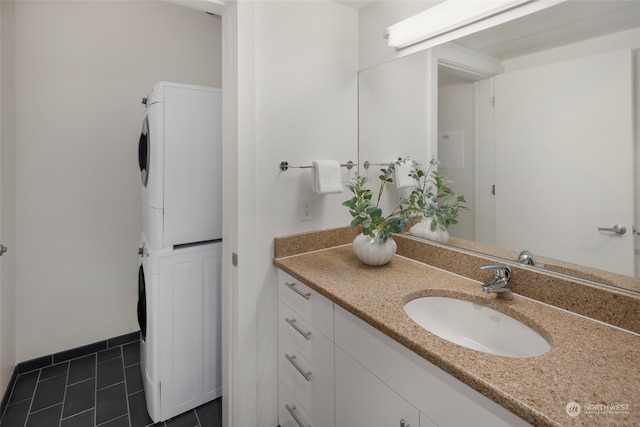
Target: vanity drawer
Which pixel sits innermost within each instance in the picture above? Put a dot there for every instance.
(313, 395)
(306, 341)
(309, 304)
(290, 412)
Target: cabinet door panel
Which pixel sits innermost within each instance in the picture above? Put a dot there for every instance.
(363, 400)
(430, 389)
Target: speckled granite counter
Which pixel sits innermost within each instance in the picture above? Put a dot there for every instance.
(589, 363)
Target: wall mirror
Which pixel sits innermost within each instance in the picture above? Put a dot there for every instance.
(537, 123)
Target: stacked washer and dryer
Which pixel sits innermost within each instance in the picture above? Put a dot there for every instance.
(179, 277)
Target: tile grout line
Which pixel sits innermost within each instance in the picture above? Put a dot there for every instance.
(95, 391)
(64, 396)
(33, 395)
(126, 389)
(62, 417)
(8, 398)
(113, 385)
(112, 419)
(76, 414)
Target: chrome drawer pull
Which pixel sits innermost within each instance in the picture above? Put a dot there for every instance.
(306, 375)
(292, 286)
(292, 411)
(293, 324)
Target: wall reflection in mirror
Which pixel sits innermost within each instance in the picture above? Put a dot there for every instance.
(544, 149)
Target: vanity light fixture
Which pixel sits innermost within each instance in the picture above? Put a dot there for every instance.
(445, 17)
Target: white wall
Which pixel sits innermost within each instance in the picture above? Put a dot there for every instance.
(297, 99)
(81, 71)
(7, 194)
(393, 112)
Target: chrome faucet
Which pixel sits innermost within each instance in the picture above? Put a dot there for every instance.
(526, 258)
(499, 285)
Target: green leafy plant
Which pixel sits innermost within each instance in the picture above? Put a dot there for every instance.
(433, 197)
(367, 214)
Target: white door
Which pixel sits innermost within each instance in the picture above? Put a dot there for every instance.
(564, 161)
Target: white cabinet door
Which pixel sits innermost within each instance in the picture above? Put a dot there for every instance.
(191, 370)
(444, 399)
(363, 400)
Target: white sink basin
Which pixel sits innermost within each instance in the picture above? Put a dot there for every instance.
(476, 326)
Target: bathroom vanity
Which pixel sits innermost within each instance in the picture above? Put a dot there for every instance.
(349, 355)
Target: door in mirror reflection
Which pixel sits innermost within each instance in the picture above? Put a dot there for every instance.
(554, 123)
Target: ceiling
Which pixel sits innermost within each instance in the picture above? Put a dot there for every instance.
(568, 22)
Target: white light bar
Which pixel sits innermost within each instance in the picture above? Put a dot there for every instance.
(445, 17)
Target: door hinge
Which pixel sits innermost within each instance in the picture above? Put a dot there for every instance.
(234, 259)
(493, 189)
(493, 101)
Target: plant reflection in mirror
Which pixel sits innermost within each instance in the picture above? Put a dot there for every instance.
(432, 197)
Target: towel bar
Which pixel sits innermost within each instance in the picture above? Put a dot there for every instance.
(285, 165)
(367, 163)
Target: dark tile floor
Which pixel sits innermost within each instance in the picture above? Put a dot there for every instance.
(100, 389)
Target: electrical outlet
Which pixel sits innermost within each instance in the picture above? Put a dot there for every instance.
(305, 210)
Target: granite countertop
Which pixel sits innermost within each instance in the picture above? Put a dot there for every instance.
(590, 363)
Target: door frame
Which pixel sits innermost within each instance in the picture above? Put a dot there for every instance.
(479, 68)
(239, 329)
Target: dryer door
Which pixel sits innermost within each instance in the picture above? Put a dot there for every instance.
(144, 151)
(142, 303)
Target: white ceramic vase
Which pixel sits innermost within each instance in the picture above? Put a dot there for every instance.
(423, 230)
(372, 251)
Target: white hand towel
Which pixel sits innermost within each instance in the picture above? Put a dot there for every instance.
(403, 175)
(327, 177)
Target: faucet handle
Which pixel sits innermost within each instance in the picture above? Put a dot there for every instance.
(526, 258)
(502, 270)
